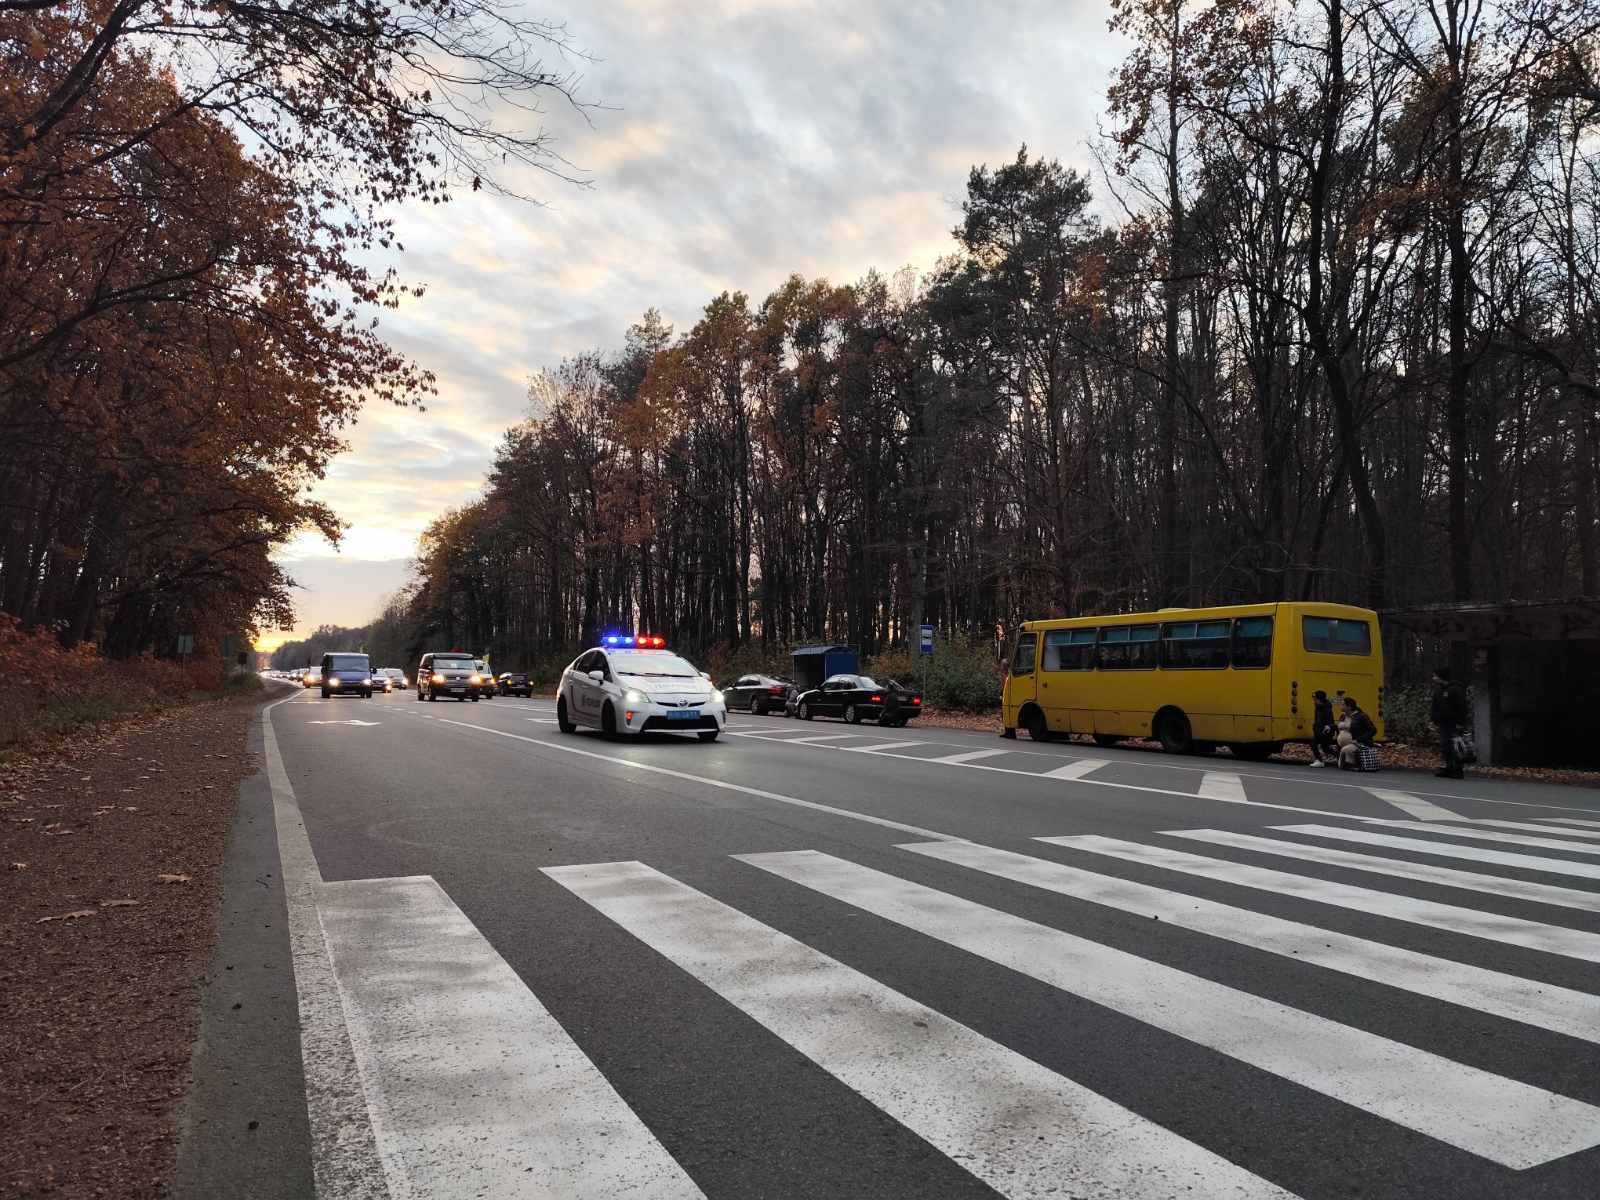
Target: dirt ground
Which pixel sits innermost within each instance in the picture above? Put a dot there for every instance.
(110, 849)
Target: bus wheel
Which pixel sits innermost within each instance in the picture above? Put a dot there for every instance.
(1034, 723)
(1107, 740)
(1174, 733)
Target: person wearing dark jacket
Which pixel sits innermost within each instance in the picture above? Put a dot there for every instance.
(1324, 749)
(1449, 712)
(1362, 733)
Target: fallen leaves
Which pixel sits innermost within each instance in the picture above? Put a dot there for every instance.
(75, 915)
(118, 903)
(19, 866)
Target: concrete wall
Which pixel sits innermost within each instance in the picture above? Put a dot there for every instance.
(1537, 703)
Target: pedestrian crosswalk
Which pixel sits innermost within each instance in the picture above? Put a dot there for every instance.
(1374, 926)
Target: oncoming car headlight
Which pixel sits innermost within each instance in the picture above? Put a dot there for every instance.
(635, 697)
(437, 678)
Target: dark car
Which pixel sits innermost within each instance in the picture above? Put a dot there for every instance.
(759, 694)
(346, 675)
(516, 683)
(858, 698)
(447, 673)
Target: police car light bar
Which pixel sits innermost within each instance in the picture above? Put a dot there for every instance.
(643, 641)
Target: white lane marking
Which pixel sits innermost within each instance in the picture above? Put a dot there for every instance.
(1562, 1010)
(367, 724)
(892, 746)
(345, 1159)
(1077, 770)
(1422, 810)
(1503, 1120)
(1220, 785)
(1499, 884)
(952, 760)
(631, 764)
(1512, 839)
(821, 738)
(1513, 931)
(1003, 1116)
(1570, 821)
(1536, 826)
(482, 1092)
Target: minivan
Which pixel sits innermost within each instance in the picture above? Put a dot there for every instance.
(346, 675)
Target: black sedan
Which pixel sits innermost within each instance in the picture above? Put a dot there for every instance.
(857, 698)
(759, 694)
(516, 683)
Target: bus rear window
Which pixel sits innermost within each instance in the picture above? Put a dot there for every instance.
(1336, 635)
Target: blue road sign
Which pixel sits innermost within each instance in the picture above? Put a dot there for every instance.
(927, 639)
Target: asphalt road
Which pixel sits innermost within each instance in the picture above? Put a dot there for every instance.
(819, 960)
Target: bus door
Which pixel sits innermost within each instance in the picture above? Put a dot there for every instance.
(1021, 682)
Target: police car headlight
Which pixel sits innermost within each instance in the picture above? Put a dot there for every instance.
(633, 697)
(716, 696)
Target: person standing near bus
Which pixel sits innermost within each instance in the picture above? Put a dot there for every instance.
(1324, 749)
(1449, 712)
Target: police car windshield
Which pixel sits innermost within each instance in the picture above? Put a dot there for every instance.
(653, 666)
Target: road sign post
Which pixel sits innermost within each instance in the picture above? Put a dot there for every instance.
(925, 645)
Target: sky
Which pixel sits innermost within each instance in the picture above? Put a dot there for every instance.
(736, 142)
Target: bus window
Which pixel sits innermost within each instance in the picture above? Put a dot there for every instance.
(1129, 647)
(1068, 650)
(1114, 649)
(1336, 635)
(1079, 656)
(1195, 645)
(1022, 656)
(1252, 642)
(1144, 650)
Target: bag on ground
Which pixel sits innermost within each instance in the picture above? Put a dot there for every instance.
(1466, 752)
(1369, 758)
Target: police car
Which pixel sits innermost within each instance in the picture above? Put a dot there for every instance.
(634, 684)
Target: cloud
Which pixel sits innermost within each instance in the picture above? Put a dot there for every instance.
(742, 141)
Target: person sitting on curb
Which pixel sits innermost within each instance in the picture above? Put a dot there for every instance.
(1363, 733)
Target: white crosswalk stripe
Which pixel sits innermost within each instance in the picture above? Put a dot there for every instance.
(1560, 1010)
(916, 1065)
(1513, 931)
(540, 1119)
(474, 1088)
(1517, 889)
(1478, 834)
(1496, 1118)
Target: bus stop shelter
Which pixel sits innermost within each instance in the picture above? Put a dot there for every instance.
(1535, 676)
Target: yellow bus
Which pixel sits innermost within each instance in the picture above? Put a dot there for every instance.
(1241, 675)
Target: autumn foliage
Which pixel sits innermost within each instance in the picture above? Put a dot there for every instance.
(189, 196)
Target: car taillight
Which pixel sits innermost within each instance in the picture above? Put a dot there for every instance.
(877, 699)
(916, 700)
(776, 691)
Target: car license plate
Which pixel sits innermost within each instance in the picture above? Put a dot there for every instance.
(684, 714)
(458, 691)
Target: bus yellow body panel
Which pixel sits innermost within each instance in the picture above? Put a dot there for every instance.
(1241, 674)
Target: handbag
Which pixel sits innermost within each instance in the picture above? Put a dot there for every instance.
(1369, 757)
(1466, 752)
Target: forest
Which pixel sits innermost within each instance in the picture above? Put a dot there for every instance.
(1320, 322)
(191, 198)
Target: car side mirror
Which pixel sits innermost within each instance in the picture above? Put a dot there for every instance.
(598, 676)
